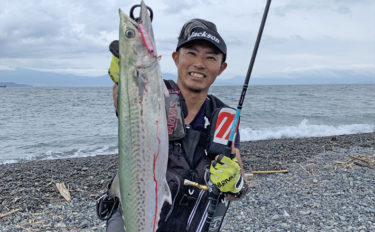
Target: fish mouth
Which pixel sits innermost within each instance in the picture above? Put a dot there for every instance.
(197, 75)
(130, 20)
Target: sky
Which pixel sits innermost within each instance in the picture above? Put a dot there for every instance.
(300, 36)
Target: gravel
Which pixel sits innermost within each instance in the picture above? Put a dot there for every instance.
(329, 186)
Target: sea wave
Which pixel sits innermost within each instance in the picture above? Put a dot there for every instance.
(70, 153)
(303, 129)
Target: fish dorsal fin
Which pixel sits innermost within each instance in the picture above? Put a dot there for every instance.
(167, 193)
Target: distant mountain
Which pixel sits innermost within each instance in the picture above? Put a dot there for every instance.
(321, 76)
(37, 78)
(324, 76)
(12, 84)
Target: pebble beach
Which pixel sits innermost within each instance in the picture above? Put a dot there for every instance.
(329, 186)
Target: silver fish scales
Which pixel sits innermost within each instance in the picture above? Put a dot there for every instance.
(143, 137)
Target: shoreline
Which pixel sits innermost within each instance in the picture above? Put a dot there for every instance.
(29, 187)
(246, 146)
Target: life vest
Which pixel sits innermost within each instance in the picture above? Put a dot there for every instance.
(190, 154)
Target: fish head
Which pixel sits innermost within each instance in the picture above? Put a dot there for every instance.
(132, 48)
(137, 39)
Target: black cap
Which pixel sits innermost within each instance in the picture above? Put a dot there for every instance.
(202, 33)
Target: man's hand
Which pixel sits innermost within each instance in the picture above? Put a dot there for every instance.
(114, 69)
(226, 174)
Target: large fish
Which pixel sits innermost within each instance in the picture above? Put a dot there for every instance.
(143, 135)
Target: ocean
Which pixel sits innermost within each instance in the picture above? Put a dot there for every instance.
(50, 123)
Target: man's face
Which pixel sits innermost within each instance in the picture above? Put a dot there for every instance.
(198, 66)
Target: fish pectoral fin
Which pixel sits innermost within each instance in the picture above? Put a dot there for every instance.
(165, 89)
(115, 187)
(167, 193)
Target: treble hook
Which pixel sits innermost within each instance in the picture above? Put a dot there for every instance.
(151, 13)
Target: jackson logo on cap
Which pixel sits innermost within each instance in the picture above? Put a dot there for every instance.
(204, 34)
(199, 33)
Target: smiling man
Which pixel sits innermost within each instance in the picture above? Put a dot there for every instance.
(198, 64)
(200, 58)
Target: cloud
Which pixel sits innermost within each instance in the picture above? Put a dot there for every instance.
(36, 30)
(177, 7)
(73, 36)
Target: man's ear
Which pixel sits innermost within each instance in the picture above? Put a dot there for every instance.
(175, 57)
(223, 67)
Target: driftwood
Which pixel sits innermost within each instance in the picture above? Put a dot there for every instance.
(269, 172)
(9, 213)
(63, 191)
(360, 160)
(250, 175)
(247, 176)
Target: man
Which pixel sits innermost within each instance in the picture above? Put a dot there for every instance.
(200, 58)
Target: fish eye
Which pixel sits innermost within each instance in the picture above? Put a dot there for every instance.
(130, 33)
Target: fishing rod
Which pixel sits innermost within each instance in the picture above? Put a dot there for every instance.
(218, 204)
(248, 75)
